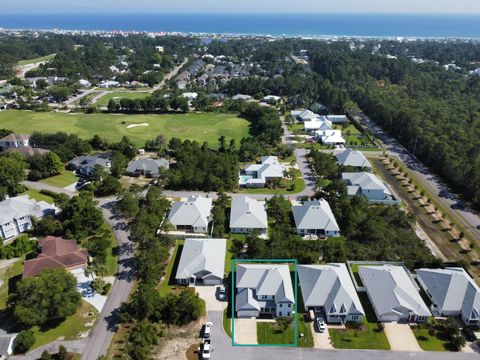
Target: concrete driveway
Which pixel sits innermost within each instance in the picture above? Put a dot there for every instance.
(209, 295)
(321, 340)
(245, 331)
(401, 338)
(84, 287)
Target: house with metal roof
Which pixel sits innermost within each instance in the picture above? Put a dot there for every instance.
(14, 141)
(147, 167)
(353, 158)
(192, 215)
(264, 289)
(248, 215)
(337, 119)
(16, 214)
(258, 175)
(330, 137)
(315, 218)
(317, 123)
(202, 262)
(329, 289)
(393, 294)
(84, 165)
(304, 115)
(368, 185)
(453, 293)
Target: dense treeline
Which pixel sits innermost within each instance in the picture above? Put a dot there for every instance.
(434, 113)
(198, 167)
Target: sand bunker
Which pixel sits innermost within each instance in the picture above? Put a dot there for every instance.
(137, 125)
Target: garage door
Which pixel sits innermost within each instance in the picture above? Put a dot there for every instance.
(247, 313)
(212, 281)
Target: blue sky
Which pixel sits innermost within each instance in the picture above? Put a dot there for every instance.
(325, 6)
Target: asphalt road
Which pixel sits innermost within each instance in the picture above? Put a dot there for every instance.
(467, 217)
(40, 186)
(102, 333)
(223, 349)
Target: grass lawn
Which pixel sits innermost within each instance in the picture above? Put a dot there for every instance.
(435, 342)
(117, 95)
(305, 329)
(195, 126)
(37, 195)
(169, 281)
(112, 254)
(270, 333)
(367, 337)
(64, 179)
(7, 279)
(69, 329)
(228, 257)
(298, 186)
(36, 60)
(227, 321)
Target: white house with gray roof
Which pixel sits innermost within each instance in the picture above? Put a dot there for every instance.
(315, 218)
(258, 175)
(13, 141)
(84, 165)
(370, 186)
(453, 293)
(393, 294)
(147, 167)
(202, 262)
(330, 290)
(264, 289)
(192, 215)
(304, 115)
(248, 215)
(354, 158)
(16, 214)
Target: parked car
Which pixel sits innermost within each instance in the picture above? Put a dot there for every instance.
(207, 330)
(206, 349)
(320, 324)
(222, 293)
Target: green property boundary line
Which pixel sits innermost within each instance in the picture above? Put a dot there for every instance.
(295, 317)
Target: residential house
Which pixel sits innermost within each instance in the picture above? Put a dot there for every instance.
(330, 137)
(192, 215)
(271, 99)
(248, 215)
(28, 151)
(190, 96)
(181, 85)
(328, 289)
(16, 214)
(315, 218)
(147, 167)
(84, 165)
(84, 83)
(242, 97)
(56, 253)
(304, 115)
(258, 175)
(453, 293)
(337, 119)
(160, 49)
(368, 185)
(353, 158)
(393, 294)
(14, 141)
(202, 262)
(318, 123)
(264, 289)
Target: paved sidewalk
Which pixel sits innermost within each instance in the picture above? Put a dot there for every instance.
(76, 346)
(321, 340)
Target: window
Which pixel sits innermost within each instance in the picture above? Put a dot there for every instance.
(280, 314)
(281, 305)
(288, 313)
(289, 305)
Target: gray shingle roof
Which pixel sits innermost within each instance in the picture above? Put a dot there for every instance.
(391, 290)
(351, 157)
(147, 165)
(329, 286)
(194, 212)
(248, 213)
(315, 214)
(452, 289)
(20, 206)
(201, 257)
(266, 279)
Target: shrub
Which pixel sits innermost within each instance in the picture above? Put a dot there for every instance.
(24, 341)
(106, 288)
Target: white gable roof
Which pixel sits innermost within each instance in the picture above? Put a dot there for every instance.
(194, 212)
(330, 136)
(266, 279)
(351, 157)
(315, 214)
(452, 289)
(248, 213)
(392, 291)
(202, 257)
(329, 286)
(21, 206)
(366, 181)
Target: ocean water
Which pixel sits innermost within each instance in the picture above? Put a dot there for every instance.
(369, 25)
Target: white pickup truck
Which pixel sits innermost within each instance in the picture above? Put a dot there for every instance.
(206, 349)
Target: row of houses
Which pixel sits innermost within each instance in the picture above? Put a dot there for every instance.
(321, 126)
(263, 289)
(248, 215)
